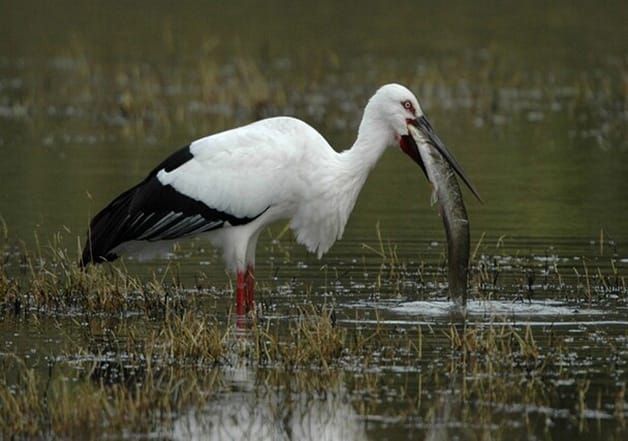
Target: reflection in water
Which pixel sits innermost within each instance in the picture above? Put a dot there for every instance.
(526, 308)
(438, 425)
(532, 99)
(261, 410)
(330, 418)
(273, 416)
(234, 418)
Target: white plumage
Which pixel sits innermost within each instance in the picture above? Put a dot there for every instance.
(231, 185)
(281, 165)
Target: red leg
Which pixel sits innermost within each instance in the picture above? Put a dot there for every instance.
(250, 288)
(241, 295)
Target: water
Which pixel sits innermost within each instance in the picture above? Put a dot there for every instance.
(531, 98)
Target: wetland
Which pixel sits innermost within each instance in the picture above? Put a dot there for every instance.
(533, 101)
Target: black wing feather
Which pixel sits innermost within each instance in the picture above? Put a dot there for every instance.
(152, 211)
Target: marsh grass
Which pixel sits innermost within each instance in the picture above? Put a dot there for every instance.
(50, 281)
(60, 405)
(495, 273)
(131, 377)
(138, 100)
(146, 351)
(162, 372)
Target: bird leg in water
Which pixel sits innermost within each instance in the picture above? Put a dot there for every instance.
(240, 293)
(249, 280)
(245, 290)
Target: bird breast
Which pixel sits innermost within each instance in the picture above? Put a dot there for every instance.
(324, 209)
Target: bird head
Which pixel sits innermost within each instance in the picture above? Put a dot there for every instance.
(399, 110)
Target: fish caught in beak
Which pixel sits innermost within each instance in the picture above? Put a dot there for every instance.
(420, 132)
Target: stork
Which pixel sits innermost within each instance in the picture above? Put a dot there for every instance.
(231, 185)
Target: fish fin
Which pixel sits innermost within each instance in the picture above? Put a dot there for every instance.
(434, 198)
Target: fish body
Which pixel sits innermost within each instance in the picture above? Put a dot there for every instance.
(447, 194)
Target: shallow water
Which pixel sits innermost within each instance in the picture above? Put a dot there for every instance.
(532, 100)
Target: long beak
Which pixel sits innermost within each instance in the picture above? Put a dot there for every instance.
(427, 134)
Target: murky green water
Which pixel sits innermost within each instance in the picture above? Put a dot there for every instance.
(532, 98)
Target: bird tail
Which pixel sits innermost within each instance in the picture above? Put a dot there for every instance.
(104, 230)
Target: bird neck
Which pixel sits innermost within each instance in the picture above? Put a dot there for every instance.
(322, 220)
(354, 164)
(373, 138)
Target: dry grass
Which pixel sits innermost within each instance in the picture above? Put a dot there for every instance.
(498, 274)
(134, 99)
(145, 378)
(137, 100)
(50, 281)
(43, 405)
(313, 341)
(140, 374)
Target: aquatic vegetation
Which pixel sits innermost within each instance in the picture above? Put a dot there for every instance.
(532, 97)
(60, 405)
(145, 379)
(49, 280)
(498, 273)
(150, 350)
(146, 102)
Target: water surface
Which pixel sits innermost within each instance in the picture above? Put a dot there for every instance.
(531, 98)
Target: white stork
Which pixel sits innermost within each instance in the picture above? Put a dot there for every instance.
(229, 186)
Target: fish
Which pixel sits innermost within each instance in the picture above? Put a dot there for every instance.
(447, 194)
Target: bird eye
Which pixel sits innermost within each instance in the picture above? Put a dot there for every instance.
(408, 105)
